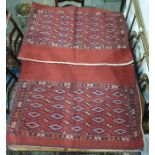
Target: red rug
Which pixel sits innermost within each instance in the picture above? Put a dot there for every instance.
(80, 94)
(71, 34)
(76, 110)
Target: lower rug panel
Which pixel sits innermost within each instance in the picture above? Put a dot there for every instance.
(75, 116)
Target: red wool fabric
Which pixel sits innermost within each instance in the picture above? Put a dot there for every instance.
(71, 34)
(76, 107)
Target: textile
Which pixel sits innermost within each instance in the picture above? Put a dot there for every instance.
(67, 110)
(72, 34)
(76, 94)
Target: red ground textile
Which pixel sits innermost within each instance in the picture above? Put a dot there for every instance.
(79, 107)
(71, 34)
(64, 106)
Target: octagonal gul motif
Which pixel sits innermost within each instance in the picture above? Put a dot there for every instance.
(118, 110)
(58, 98)
(36, 105)
(117, 94)
(32, 125)
(78, 99)
(78, 91)
(120, 131)
(98, 119)
(98, 100)
(97, 92)
(37, 96)
(117, 101)
(55, 127)
(98, 130)
(98, 109)
(57, 116)
(77, 118)
(60, 91)
(119, 120)
(58, 106)
(39, 89)
(77, 108)
(34, 114)
(77, 128)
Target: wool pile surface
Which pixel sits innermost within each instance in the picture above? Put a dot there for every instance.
(77, 89)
